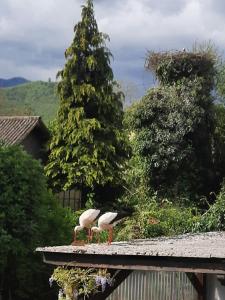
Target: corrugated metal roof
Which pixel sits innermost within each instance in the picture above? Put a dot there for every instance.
(14, 129)
(204, 245)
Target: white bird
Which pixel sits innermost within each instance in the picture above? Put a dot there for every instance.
(106, 222)
(86, 219)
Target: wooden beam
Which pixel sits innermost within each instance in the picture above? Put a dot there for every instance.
(120, 276)
(221, 279)
(137, 262)
(198, 282)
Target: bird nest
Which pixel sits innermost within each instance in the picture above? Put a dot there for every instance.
(172, 66)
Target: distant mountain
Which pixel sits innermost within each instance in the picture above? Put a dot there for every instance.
(33, 98)
(39, 98)
(12, 82)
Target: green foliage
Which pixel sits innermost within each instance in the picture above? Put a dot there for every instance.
(170, 67)
(153, 218)
(136, 184)
(30, 217)
(33, 98)
(214, 218)
(167, 123)
(219, 143)
(174, 125)
(37, 98)
(76, 281)
(220, 80)
(2, 100)
(153, 215)
(88, 146)
(136, 187)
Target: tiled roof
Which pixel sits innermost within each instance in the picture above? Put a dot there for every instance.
(14, 129)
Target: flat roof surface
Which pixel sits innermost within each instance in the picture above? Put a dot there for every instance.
(199, 253)
(204, 245)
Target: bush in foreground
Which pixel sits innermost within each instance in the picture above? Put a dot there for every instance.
(29, 217)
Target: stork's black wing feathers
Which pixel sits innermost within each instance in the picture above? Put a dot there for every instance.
(98, 215)
(120, 216)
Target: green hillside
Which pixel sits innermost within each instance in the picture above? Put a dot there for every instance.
(34, 98)
(39, 98)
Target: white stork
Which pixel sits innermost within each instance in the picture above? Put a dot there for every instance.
(106, 222)
(86, 219)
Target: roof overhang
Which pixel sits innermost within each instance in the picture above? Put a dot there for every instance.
(193, 265)
(198, 253)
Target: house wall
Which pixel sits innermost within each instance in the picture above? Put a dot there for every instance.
(214, 289)
(33, 144)
(145, 285)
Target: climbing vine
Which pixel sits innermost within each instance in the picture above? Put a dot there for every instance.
(173, 125)
(77, 282)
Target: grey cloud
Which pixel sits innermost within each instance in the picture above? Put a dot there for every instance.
(33, 38)
(166, 7)
(217, 6)
(163, 6)
(28, 54)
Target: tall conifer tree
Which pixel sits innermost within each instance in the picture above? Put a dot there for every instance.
(88, 145)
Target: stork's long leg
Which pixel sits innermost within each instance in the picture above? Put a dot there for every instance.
(74, 236)
(98, 237)
(89, 235)
(110, 237)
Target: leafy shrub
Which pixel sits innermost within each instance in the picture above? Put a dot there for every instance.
(219, 143)
(155, 219)
(214, 218)
(173, 125)
(29, 217)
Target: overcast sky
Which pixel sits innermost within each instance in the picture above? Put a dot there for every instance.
(35, 33)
